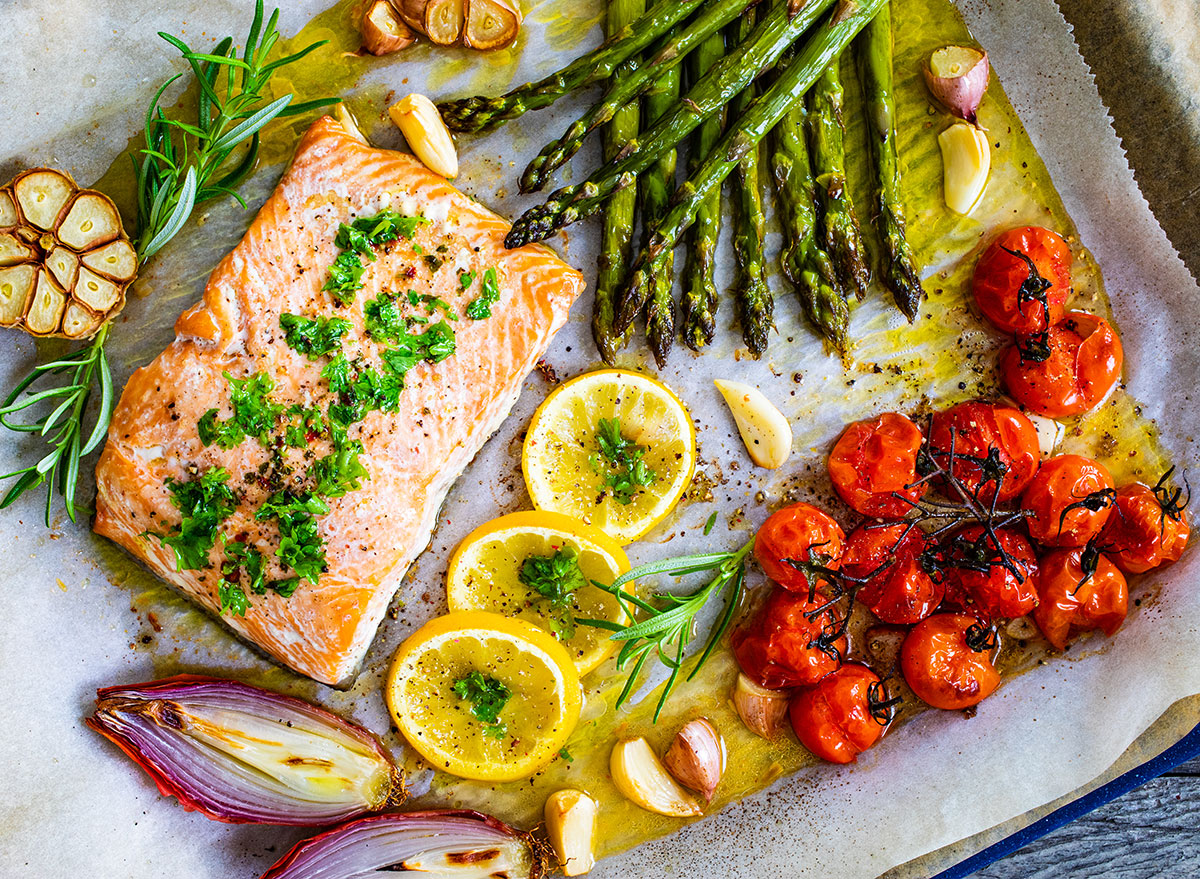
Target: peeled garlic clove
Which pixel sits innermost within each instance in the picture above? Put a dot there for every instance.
(346, 119)
(957, 77)
(763, 711)
(696, 757)
(443, 22)
(764, 430)
(571, 825)
(640, 776)
(383, 31)
(491, 24)
(967, 159)
(1050, 433)
(421, 123)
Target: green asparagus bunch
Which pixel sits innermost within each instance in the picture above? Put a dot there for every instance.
(795, 79)
(481, 113)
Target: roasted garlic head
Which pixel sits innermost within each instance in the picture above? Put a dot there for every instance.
(65, 260)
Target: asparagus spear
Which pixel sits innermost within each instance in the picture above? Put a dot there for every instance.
(806, 265)
(616, 242)
(794, 80)
(628, 87)
(699, 304)
(656, 185)
(728, 77)
(826, 133)
(482, 112)
(899, 270)
(755, 303)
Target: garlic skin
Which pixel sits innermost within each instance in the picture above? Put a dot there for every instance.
(642, 779)
(967, 160)
(696, 757)
(764, 429)
(383, 30)
(763, 711)
(571, 825)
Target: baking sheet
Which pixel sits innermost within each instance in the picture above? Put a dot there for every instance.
(72, 805)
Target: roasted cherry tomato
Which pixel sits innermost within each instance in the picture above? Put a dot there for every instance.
(1022, 280)
(990, 580)
(1067, 372)
(1070, 500)
(1148, 527)
(947, 660)
(993, 446)
(873, 461)
(781, 647)
(1079, 590)
(841, 716)
(803, 533)
(896, 589)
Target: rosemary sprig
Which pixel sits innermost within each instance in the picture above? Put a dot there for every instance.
(183, 164)
(666, 631)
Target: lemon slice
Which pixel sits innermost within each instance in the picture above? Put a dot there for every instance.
(534, 718)
(565, 467)
(485, 574)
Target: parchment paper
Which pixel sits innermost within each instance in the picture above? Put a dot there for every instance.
(71, 806)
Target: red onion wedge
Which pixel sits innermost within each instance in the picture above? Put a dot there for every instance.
(452, 844)
(245, 755)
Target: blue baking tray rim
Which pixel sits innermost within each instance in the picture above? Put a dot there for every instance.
(1182, 751)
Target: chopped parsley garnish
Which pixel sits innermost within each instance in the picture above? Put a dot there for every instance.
(314, 336)
(488, 697)
(254, 415)
(623, 472)
(359, 239)
(339, 472)
(466, 279)
(566, 755)
(555, 577)
(204, 503)
(489, 294)
(242, 569)
(300, 546)
(308, 424)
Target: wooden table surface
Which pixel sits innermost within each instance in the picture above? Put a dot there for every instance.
(1153, 831)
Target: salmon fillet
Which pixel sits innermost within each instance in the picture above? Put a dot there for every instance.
(447, 409)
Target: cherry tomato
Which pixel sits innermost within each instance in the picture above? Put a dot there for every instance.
(836, 718)
(1148, 527)
(781, 647)
(1070, 500)
(800, 532)
(947, 661)
(978, 580)
(874, 460)
(1022, 280)
(1074, 599)
(993, 446)
(897, 588)
(1067, 373)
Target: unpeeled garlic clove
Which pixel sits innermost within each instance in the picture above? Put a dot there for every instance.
(696, 757)
(1050, 432)
(571, 825)
(764, 430)
(967, 159)
(384, 31)
(640, 776)
(763, 711)
(957, 77)
(422, 126)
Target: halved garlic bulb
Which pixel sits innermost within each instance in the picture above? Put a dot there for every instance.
(65, 261)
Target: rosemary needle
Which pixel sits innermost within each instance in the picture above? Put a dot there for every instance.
(181, 165)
